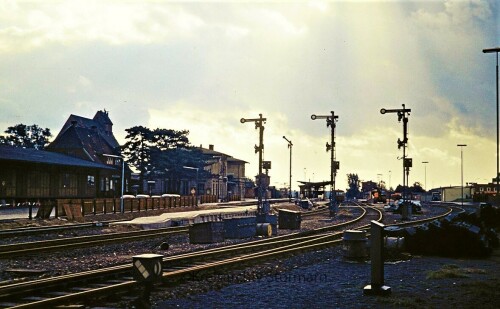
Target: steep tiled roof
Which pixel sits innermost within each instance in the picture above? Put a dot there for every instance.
(91, 137)
(100, 120)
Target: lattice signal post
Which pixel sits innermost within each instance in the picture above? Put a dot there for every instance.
(259, 124)
(403, 114)
(331, 121)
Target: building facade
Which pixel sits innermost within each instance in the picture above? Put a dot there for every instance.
(227, 175)
(30, 175)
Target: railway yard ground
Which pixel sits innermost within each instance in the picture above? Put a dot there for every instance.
(321, 278)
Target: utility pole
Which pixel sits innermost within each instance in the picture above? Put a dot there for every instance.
(259, 124)
(290, 187)
(462, 169)
(496, 50)
(335, 165)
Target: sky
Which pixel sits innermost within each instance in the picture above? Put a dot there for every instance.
(204, 65)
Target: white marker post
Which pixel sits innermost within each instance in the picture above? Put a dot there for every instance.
(147, 269)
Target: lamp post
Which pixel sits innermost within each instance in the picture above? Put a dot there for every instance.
(425, 173)
(122, 210)
(389, 188)
(496, 50)
(290, 173)
(334, 165)
(462, 169)
(196, 190)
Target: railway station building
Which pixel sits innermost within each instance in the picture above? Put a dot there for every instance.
(227, 175)
(84, 161)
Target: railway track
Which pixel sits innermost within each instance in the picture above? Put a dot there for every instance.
(92, 284)
(118, 277)
(37, 247)
(27, 231)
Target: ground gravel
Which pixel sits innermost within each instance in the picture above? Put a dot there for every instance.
(324, 279)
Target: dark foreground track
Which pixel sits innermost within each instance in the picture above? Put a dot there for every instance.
(76, 288)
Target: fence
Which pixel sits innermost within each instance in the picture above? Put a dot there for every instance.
(112, 205)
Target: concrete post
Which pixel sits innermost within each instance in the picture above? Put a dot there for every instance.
(377, 286)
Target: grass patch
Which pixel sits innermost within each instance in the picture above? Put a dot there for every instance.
(453, 271)
(345, 213)
(481, 288)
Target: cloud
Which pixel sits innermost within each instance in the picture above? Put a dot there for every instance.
(203, 66)
(34, 24)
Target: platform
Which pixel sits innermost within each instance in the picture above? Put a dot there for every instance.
(190, 217)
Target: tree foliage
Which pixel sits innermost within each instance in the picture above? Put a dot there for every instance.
(353, 184)
(163, 153)
(26, 136)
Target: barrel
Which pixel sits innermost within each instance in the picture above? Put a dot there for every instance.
(394, 243)
(264, 229)
(354, 244)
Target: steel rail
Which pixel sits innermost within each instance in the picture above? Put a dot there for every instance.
(21, 249)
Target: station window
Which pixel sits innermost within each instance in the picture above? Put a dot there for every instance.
(90, 180)
(105, 184)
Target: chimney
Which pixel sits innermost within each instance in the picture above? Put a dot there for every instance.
(211, 147)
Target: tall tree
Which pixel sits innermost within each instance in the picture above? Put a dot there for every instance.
(172, 163)
(26, 136)
(353, 183)
(137, 149)
(170, 139)
(162, 153)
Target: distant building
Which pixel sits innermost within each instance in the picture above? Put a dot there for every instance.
(452, 193)
(227, 174)
(367, 188)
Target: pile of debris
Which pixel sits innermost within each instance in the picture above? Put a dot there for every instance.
(466, 234)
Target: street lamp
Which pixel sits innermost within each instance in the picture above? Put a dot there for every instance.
(462, 168)
(290, 188)
(122, 210)
(425, 173)
(487, 51)
(196, 190)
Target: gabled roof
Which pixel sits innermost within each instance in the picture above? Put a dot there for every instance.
(18, 154)
(211, 152)
(100, 120)
(92, 137)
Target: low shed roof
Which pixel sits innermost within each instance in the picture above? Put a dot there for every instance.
(19, 154)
